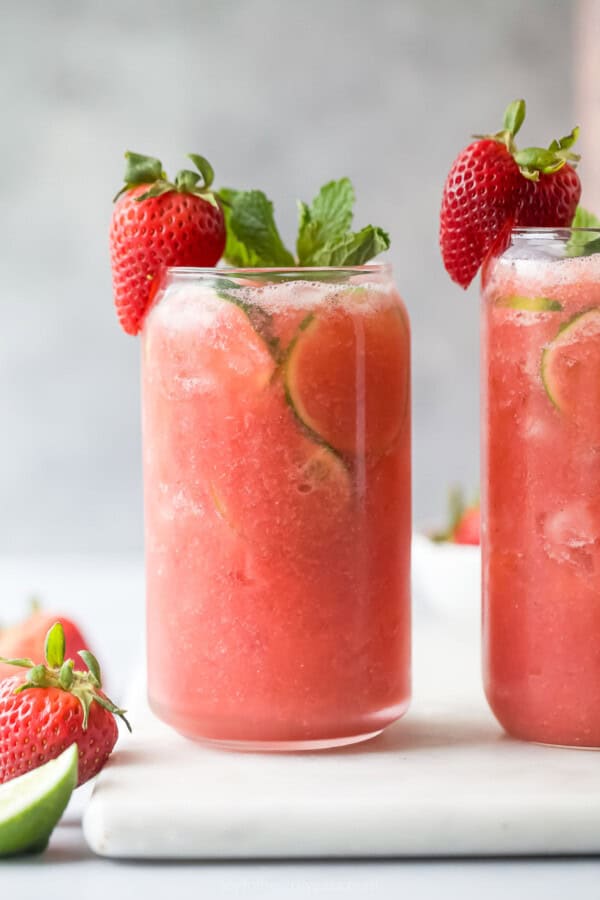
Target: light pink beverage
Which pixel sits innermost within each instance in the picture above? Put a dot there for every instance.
(277, 494)
(541, 487)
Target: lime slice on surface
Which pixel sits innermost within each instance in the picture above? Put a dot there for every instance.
(570, 366)
(32, 804)
(530, 304)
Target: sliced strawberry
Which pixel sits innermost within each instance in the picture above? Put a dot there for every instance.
(480, 196)
(157, 223)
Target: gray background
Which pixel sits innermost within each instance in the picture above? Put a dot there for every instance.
(279, 95)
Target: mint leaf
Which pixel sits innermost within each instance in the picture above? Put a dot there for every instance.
(324, 236)
(353, 249)
(584, 243)
(252, 236)
(236, 253)
(326, 220)
(584, 219)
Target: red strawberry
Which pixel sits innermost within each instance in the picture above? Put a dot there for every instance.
(464, 522)
(157, 223)
(550, 202)
(53, 706)
(468, 529)
(28, 638)
(492, 186)
(480, 197)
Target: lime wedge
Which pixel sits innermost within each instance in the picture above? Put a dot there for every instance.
(570, 366)
(32, 804)
(531, 304)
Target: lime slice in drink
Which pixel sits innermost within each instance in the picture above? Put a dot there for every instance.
(530, 304)
(32, 804)
(344, 369)
(570, 367)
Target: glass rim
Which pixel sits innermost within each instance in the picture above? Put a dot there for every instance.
(551, 232)
(232, 271)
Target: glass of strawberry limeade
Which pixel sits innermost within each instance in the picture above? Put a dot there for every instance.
(276, 421)
(541, 485)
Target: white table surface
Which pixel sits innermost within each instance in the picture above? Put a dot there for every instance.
(107, 595)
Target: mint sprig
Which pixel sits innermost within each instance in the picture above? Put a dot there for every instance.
(324, 230)
(353, 249)
(252, 235)
(583, 218)
(584, 243)
(326, 221)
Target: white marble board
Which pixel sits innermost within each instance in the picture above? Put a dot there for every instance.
(443, 782)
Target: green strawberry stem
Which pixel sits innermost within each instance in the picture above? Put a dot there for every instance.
(514, 116)
(148, 170)
(60, 673)
(534, 161)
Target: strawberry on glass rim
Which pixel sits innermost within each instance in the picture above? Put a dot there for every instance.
(157, 223)
(493, 186)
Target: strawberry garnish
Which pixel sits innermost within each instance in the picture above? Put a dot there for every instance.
(158, 223)
(478, 200)
(550, 202)
(492, 186)
(52, 707)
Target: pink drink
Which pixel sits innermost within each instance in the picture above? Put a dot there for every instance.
(541, 486)
(277, 494)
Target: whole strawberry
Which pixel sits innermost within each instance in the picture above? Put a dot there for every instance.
(464, 521)
(157, 223)
(27, 638)
(53, 706)
(551, 201)
(468, 529)
(493, 186)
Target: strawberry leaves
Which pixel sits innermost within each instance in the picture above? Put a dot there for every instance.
(514, 116)
(207, 173)
(148, 170)
(55, 646)
(536, 161)
(60, 673)
(324, 235)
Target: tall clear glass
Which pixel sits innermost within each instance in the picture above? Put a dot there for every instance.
(541, 485)
(276, 442)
